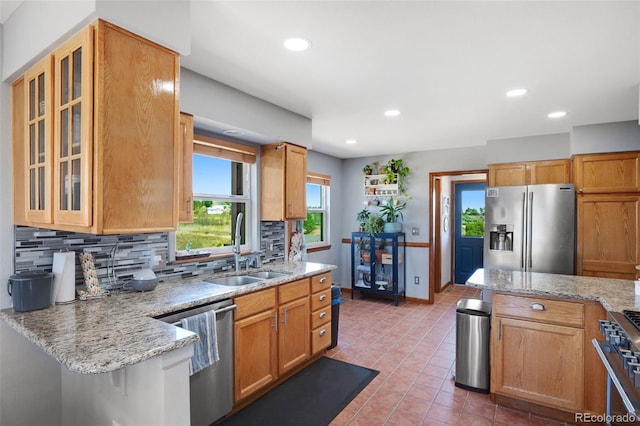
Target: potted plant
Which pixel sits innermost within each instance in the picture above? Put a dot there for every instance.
(367, 169)
(396, 172)
(374, 224)
(362, 217)
(391, 210)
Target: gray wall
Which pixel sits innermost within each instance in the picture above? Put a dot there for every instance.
(530, 148)
(210, 100)
(416, 214)
(606, 137)
(167, 23)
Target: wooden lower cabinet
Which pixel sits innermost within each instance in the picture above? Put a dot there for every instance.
(320, 312)
(552, 377)
(255, 342)
(271, 335)
(541, 354)
(293, 331)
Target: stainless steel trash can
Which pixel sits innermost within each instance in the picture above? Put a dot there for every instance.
(473, 326)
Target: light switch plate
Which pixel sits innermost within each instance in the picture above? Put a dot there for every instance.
(415, 231)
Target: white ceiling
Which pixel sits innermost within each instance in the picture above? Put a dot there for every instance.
(446, 65)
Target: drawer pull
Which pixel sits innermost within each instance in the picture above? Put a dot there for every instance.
(537, 307)
(323, 332)
(323, 314)
(323, 297)
(323, 280)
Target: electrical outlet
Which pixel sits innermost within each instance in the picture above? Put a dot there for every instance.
(415, 231)
(416, 280)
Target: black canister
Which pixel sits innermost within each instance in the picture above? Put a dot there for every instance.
(30, 290)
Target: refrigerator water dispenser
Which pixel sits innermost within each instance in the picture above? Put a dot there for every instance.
(501, 237)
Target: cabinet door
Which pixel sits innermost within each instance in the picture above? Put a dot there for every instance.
(541, 363)
(607, 235)
(18, 141)
(509, 174)
(137, 133)
(185, 189)
(37, 147)
(255, 348)
(552, 171)
(296, 182)
(294, 334)
(73, 131)
(606, 173)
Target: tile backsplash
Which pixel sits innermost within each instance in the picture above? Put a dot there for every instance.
(126, 253)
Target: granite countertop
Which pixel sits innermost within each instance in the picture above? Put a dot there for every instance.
(613, 294)
(104, 335)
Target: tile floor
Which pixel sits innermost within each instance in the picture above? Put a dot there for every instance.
(413, 346)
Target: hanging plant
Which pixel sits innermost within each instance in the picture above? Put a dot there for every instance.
(396, 172)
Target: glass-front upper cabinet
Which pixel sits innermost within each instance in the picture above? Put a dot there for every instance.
(38, 94)
(73, 130)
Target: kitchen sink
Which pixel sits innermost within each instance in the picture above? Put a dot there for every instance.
(268, 274)
(235, 280)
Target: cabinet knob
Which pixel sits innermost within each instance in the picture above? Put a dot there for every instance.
(323, 332)
(323, 297)
(323, 280)
(537, 307)
(323, 314)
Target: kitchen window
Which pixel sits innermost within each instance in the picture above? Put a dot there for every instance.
(316, 226)
(222, 174)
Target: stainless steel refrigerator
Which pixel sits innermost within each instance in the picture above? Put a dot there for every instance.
(530, 228)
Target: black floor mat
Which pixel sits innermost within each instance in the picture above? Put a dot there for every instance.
(313, 397)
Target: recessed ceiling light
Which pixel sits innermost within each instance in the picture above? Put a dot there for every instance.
(297, 44)
(516, 92)
(392, 113)
(351, 141)
(557, 114)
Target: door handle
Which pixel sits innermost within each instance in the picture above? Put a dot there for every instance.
(284, 317)
(275, 321)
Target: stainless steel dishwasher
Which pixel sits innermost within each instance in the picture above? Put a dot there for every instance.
(211, 389)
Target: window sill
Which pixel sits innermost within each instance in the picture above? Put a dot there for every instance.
(318, 248)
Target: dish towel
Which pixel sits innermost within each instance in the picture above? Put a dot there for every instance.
(206, 349)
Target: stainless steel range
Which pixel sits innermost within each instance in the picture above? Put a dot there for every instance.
(620, 354)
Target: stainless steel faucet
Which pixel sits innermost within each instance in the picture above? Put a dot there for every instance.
(236, 243)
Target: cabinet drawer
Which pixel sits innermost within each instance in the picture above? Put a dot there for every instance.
(320, 317)
(320, 300)
(320, 338)
(320, 282)
(537, 309)
(293, 290)
(253, 303)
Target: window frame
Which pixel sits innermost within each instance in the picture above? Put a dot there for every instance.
(325, 183)
(234, 152)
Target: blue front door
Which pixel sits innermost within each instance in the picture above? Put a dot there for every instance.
(469, 229)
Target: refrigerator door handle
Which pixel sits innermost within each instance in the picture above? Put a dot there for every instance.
(524, 224)
(530, 232)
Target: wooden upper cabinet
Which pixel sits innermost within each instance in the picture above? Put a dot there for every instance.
(551, 171)
(36, 147)
(19, 164)
(530, 173)
(185, 186)
(607, 235)
(508, 174)
(113, 160)
(283, 181)
(73, 131)
(607, 173)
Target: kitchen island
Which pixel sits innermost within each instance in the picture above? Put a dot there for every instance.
(613, 294)
(114, 348)
(542, 358)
